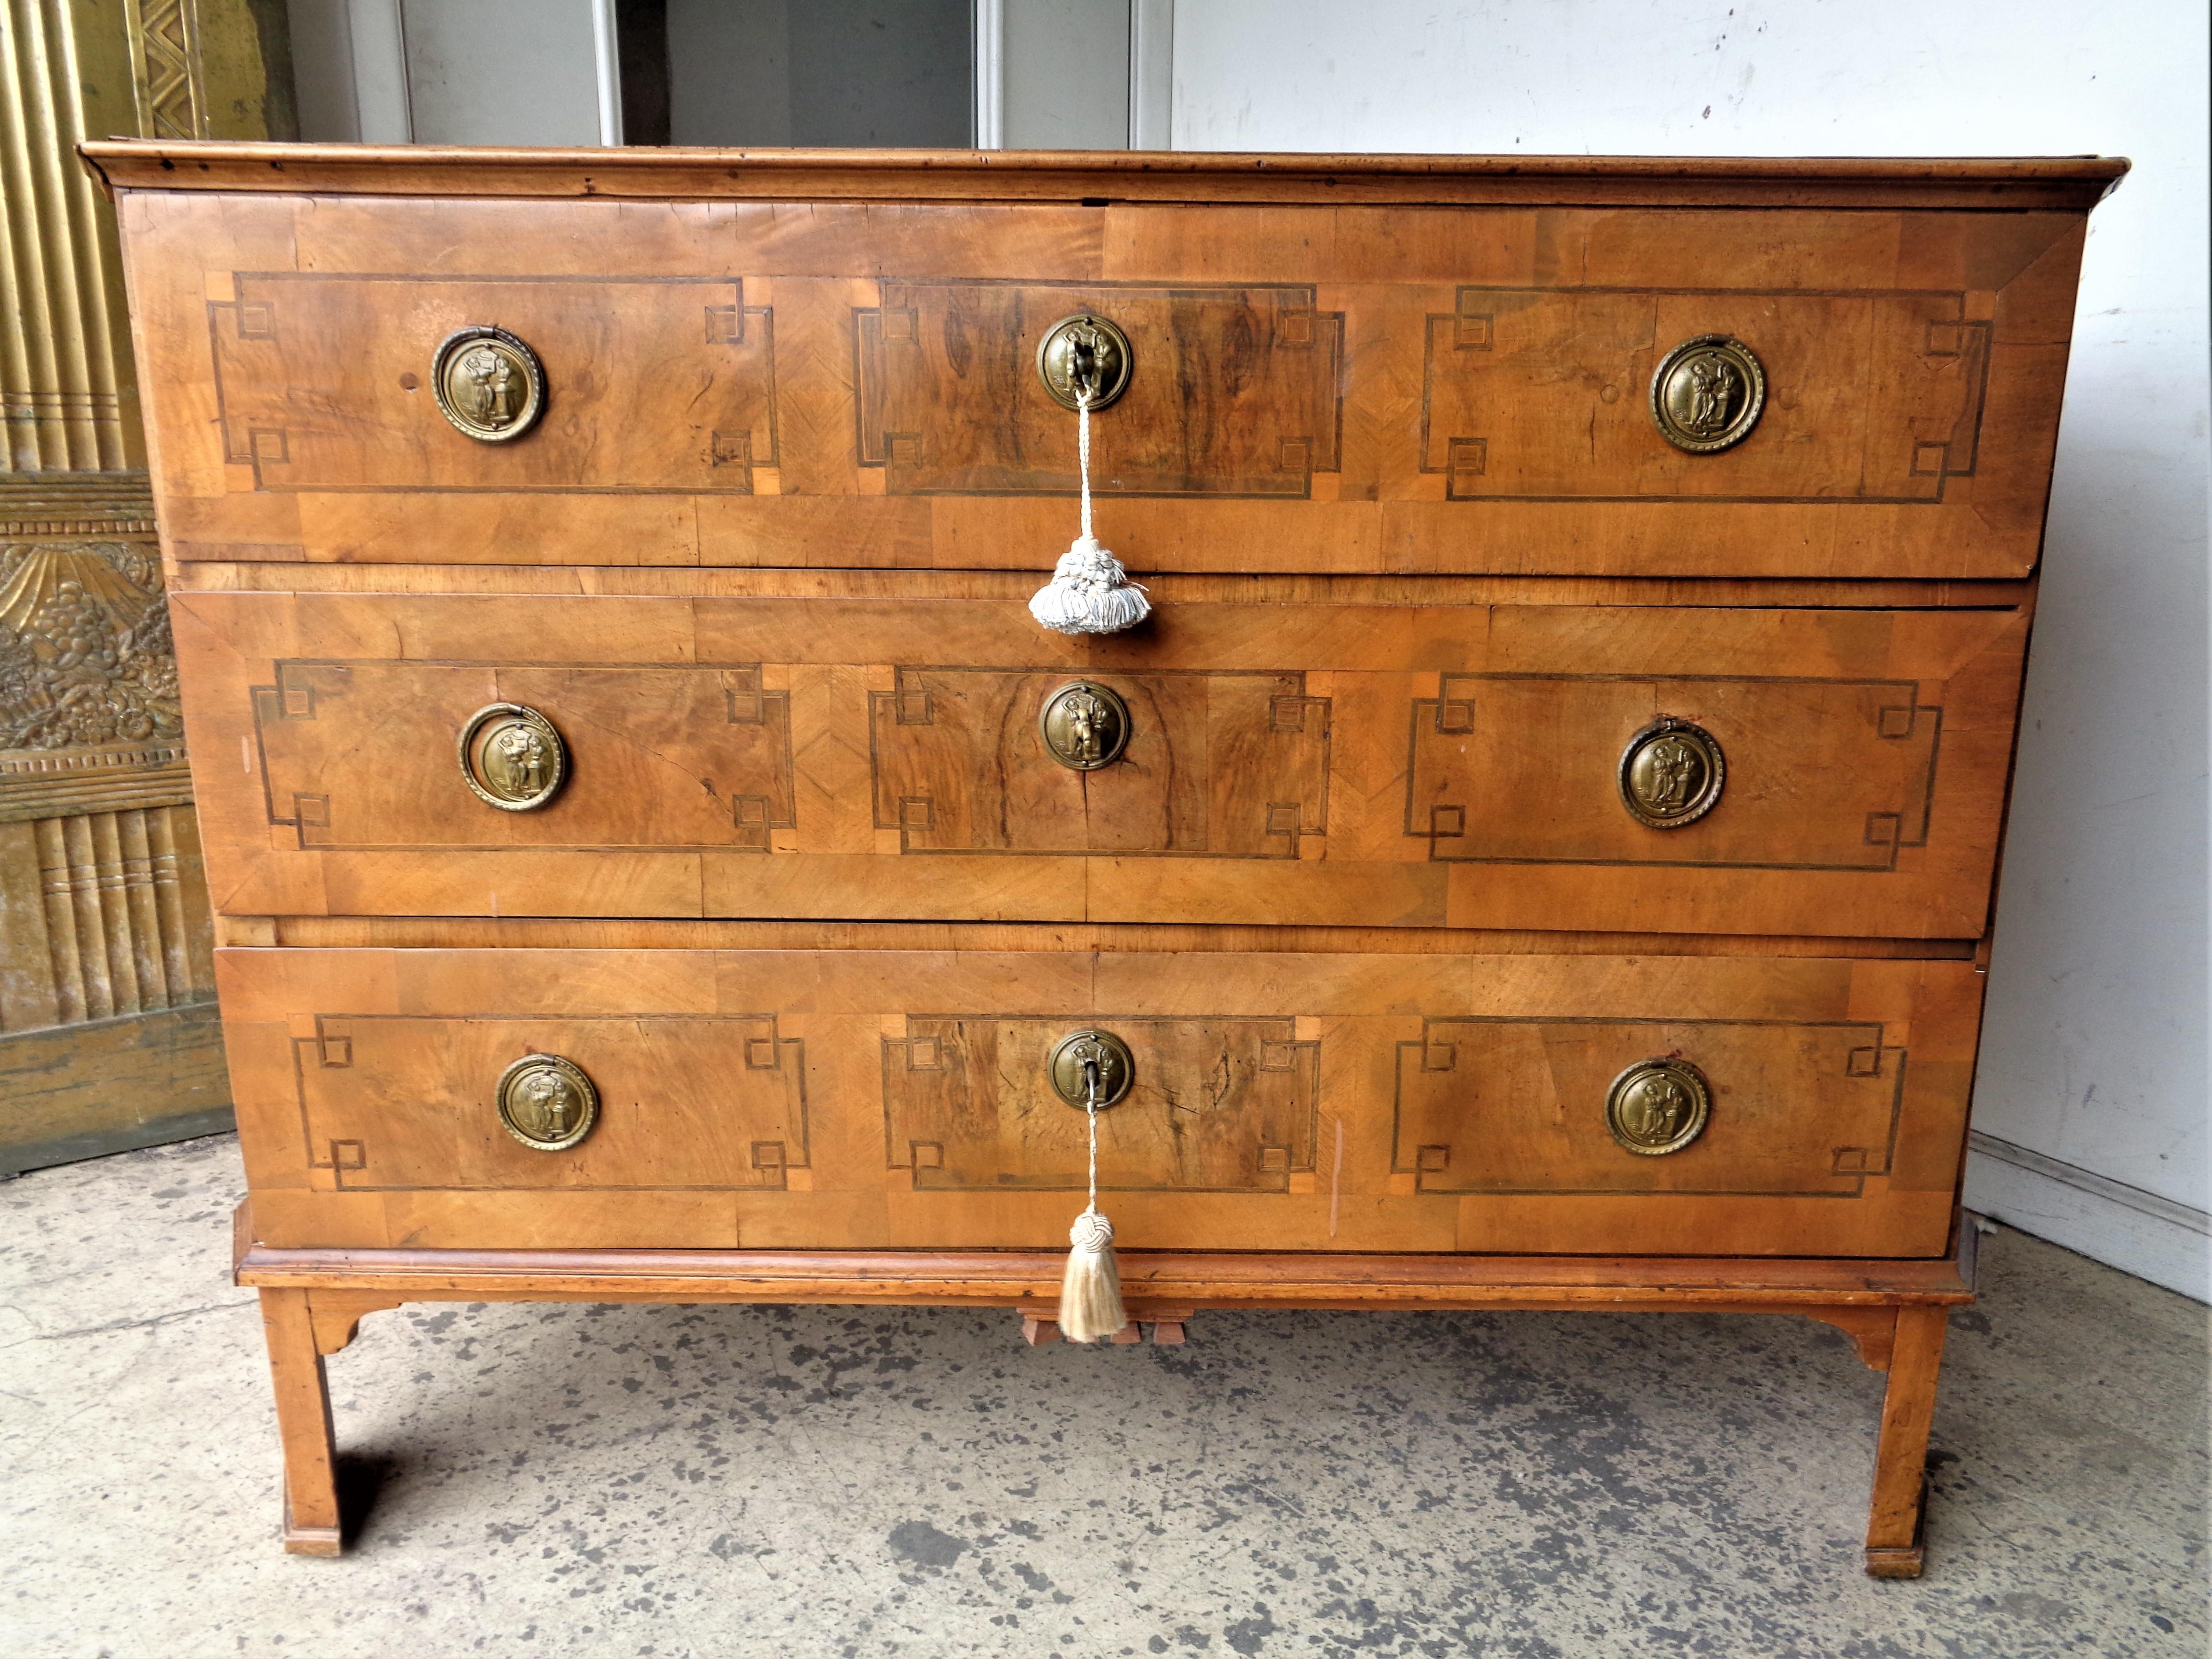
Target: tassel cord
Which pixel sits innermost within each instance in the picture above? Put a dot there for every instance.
(1088, 593)
(1090, 1108)
(1082, 451)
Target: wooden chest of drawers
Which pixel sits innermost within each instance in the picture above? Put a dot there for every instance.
(1590, 601)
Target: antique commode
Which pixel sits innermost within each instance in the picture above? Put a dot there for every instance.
(1538, 853)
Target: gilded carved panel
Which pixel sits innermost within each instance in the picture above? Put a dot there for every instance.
(86, 656)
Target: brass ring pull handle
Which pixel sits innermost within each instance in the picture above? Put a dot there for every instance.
(511, 757)
(547, 1102)
(1082, 354)
(1658, 1106)
(488, 383)
(1084, 726)
(1671, 773)
(1080, 1055)
(1708, 393)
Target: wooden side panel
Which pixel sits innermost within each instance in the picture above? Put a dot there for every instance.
(1302, 763)
(896, 1100)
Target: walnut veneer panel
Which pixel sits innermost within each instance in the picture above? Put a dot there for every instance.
(1352, 388)
(804, 1100)
(659, 384)
(1293, 763)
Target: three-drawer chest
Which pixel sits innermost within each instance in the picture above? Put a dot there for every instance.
(1538, 852)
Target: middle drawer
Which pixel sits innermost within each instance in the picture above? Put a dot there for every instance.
(1640, 768)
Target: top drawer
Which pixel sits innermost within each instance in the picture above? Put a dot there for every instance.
(1352, 388)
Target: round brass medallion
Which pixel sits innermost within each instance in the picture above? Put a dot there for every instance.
(1671, 773)
(547, 1102)
(1658, 1106)
(511, 757)
(1084, 726)
(1073, 1056)
(489, 384)
(1082, 351)
(1707, 394)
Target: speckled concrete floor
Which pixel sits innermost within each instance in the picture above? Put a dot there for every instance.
(675, 1481)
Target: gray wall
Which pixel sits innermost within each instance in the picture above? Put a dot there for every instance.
(740, 72)
(502, 71)
(1066, 76)
(446, 72)
(823, 72)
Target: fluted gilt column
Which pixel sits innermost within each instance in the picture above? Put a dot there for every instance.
(107, 1031)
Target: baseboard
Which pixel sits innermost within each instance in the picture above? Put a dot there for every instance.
(130, 1138)
(2139, 1232)
(68, 1092)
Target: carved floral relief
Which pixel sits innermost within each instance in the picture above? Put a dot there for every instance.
(86, 655)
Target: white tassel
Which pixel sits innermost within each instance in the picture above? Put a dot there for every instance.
(1088, 593)
(1090, 1289)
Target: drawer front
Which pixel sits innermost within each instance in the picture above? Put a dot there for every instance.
(1358, 388)
(653, 385)
(902, 1100)
(1323, 764)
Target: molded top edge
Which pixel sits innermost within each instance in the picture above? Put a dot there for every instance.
(408, 169)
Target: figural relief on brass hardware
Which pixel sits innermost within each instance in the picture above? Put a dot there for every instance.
(547, 1102)
(1083, 353)
(511, 757)
(1658, 1106)
(1073, 1058)
(1084, 726)
(1671, 773)
(1707, 394)
(489, 384)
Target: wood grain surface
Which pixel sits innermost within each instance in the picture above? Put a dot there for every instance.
(2072, 181)
(814, 903)
(1317, 388)
(896, 1100)
(1289, 763)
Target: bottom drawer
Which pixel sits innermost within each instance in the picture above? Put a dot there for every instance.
(902, 1100)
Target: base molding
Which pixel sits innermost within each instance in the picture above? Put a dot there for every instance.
(313, 1300)
(2139, 1232)
(1163, 1284)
